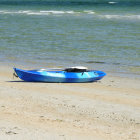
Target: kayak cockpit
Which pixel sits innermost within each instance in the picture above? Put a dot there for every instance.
(68, 69)
(76, 69)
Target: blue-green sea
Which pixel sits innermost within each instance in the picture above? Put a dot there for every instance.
(99, 34)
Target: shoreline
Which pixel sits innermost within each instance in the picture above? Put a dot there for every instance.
(104, 110)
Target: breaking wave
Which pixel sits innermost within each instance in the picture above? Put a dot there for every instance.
(75, 13)
(54, 12)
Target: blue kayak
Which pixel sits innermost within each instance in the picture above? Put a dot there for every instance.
(68, 75)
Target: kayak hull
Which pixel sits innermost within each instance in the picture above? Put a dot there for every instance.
(59, 76)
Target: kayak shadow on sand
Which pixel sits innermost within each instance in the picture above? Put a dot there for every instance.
(17, 81)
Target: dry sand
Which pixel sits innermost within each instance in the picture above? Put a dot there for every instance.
(105, 110)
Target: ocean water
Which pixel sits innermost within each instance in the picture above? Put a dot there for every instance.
(102, 35)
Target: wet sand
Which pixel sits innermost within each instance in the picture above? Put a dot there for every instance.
(104, 110)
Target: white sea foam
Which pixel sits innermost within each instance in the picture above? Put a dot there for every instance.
(59, 12)
(112, 2)
(89, 12)
(53, 12)
(14, 12)
(120, 16)
(70, 12)
(31, 12)
(37, 13)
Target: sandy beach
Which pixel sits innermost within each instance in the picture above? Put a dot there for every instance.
(104, 110)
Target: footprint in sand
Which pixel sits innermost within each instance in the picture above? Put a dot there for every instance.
(10, 132)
